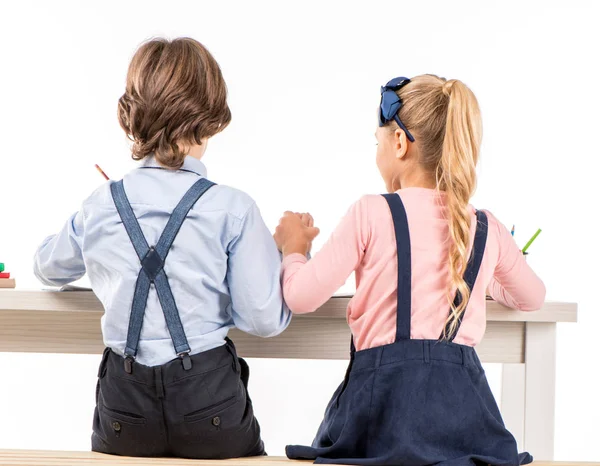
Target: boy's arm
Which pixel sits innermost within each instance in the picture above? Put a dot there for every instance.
(254, 279)
(59, 259)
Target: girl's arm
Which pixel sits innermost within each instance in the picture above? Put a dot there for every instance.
(514, 283)
(307, 285)
(59, 259)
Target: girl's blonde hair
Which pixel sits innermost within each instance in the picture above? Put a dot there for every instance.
(444, 117)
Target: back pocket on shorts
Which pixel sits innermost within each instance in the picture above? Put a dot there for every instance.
(211, 410)
(122, 416)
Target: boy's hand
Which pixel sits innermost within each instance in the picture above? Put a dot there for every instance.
(307, 220)
(295, 233)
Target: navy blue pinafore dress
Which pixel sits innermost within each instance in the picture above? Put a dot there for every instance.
(415, 402)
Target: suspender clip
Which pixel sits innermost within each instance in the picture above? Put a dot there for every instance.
(128, 364)
(186, 360)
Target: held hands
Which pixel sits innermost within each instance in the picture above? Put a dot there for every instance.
(295, 233)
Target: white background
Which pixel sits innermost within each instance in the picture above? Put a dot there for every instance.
(304, 80)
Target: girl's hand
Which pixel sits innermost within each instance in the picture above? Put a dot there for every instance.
(295, 233)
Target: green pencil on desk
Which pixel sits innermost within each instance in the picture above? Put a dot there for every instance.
(531, 240)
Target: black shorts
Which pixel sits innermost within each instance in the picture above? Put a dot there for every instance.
(201, 413)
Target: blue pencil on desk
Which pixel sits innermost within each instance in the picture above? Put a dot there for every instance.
(512, 232)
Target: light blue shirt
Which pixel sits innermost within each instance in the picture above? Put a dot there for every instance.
(223, 268)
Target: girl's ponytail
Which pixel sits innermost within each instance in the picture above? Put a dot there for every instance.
(444, 117)
(456, 175)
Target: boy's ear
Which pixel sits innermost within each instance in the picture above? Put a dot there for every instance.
(400, 143)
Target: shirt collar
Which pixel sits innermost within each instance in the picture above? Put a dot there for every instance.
(190, 164)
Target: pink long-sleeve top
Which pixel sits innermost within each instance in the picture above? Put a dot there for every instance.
(364, 242)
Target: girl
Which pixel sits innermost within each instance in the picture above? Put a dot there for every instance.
(415, 392)
(176, 261)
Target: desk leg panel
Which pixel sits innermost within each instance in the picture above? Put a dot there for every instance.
(540, 378)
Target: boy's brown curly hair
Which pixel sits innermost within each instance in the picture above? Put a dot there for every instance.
(175, 96)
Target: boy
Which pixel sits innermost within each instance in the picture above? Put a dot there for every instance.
(170, 382)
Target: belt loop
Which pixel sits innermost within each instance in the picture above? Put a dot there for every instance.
(426, 351)
(102, 367)
(230, 347)
(158, 381)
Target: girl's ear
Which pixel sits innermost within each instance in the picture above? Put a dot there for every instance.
(400, 143)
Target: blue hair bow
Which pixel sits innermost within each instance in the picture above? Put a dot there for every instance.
(391, 104)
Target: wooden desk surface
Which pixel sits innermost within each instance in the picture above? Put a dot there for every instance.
(68, 322)
(86, 301)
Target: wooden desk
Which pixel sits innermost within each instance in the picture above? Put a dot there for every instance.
(524, 342)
